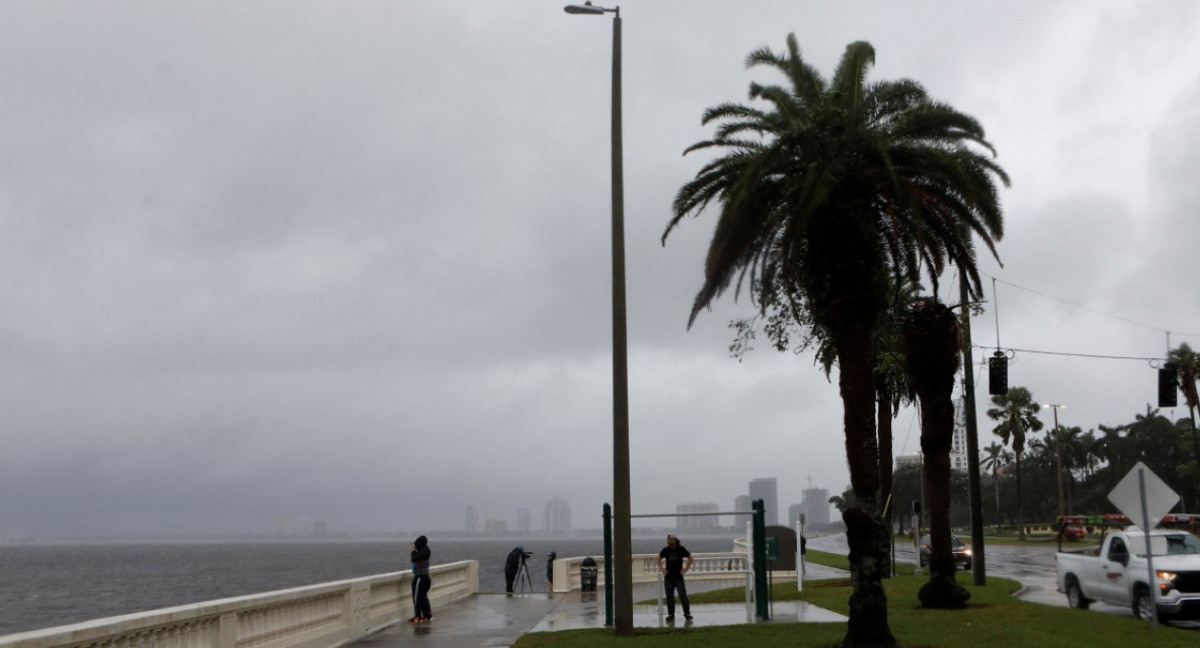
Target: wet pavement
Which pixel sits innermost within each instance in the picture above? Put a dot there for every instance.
(498, 620)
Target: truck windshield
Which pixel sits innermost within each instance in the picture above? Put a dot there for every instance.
(1163, 545)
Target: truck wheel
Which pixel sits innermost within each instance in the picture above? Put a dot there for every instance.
(1075, 596)
(1142, 604)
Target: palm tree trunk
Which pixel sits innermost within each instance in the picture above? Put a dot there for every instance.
(996, 484)
(937, 428)
(1020, 514)
(865, 534)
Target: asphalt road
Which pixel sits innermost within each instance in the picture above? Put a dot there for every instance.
(1032, 565)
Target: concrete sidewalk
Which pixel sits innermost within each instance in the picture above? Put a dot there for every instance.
(498, 620)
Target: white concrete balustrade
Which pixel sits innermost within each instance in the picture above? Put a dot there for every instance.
(705, 566)
(315, 616)
(327, 615)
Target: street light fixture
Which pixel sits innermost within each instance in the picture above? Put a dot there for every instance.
(622, 529)
(1058, 455)
(588, 9)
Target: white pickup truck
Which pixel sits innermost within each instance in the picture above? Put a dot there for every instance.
(1115, 573)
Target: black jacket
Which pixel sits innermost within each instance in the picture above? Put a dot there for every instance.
(420, 556)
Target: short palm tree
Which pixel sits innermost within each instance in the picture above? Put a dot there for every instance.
(1016, 412)
(831, 192)
(931, 341)
(994, 458)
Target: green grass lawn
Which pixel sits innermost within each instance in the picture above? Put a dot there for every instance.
(992, 619)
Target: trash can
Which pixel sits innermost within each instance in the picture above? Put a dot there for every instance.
(587, 574)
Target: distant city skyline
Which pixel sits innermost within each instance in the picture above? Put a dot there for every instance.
(767, 490)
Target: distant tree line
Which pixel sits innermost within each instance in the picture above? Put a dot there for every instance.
(1093, 462)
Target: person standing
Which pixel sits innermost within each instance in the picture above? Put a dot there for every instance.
(550, 569)
(511, 565)
(674, 555)
(420, 553)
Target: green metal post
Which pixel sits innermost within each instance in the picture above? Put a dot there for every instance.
(608, 567)
(761, 593)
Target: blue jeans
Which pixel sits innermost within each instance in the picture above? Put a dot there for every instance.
(670, 584)
(420, 596)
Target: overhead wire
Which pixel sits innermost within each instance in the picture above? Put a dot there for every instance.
(1076, 355)
(1081, 306)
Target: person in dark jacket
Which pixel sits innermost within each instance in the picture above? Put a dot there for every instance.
(420, 582)
(550, 569)
(511, 565)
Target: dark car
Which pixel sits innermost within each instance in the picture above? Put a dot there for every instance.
(962, 551)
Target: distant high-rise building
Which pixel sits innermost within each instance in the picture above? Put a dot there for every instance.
(816, 506)
(905, 461)
(284, 525)
(558, 516)
(794, 512)
(766, 490)
(696, 522)
(524, 521)
(741, 503)
(958, 441)
(495, 527)
(473, 524)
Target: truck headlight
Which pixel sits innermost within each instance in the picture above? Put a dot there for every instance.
(1170, 578)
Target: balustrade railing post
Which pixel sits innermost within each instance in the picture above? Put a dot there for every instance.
(227, 630)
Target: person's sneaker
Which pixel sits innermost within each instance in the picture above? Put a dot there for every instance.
(426, 619)
(415, 620)
(671, 617)
(688, 617)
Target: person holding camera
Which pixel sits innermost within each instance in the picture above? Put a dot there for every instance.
(511, 565)
(674, 554)
(420, 554)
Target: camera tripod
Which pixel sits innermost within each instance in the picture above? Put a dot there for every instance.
(522, 581)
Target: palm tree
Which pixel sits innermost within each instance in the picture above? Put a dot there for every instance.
(1186, 361)
(994, 458)
(1017, 414)
(931, 343)
(1074, 446)
(832, 189)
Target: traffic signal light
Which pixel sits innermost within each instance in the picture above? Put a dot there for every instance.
(998, 374)
(1168, 385)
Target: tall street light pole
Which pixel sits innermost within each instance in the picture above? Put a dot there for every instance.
(1058, 457)
(622, 529)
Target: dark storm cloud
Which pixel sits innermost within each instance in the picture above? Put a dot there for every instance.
(352, 263)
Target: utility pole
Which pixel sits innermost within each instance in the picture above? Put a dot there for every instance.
(978, 561)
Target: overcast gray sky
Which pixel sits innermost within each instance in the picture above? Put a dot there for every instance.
(350, 260)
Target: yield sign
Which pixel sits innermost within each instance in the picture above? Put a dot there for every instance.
(1127, 497)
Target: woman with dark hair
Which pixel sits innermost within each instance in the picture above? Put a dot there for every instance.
(420, 581)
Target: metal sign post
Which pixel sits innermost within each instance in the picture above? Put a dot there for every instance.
(1142, 495)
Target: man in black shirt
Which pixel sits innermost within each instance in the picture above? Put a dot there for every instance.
(674, 554)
